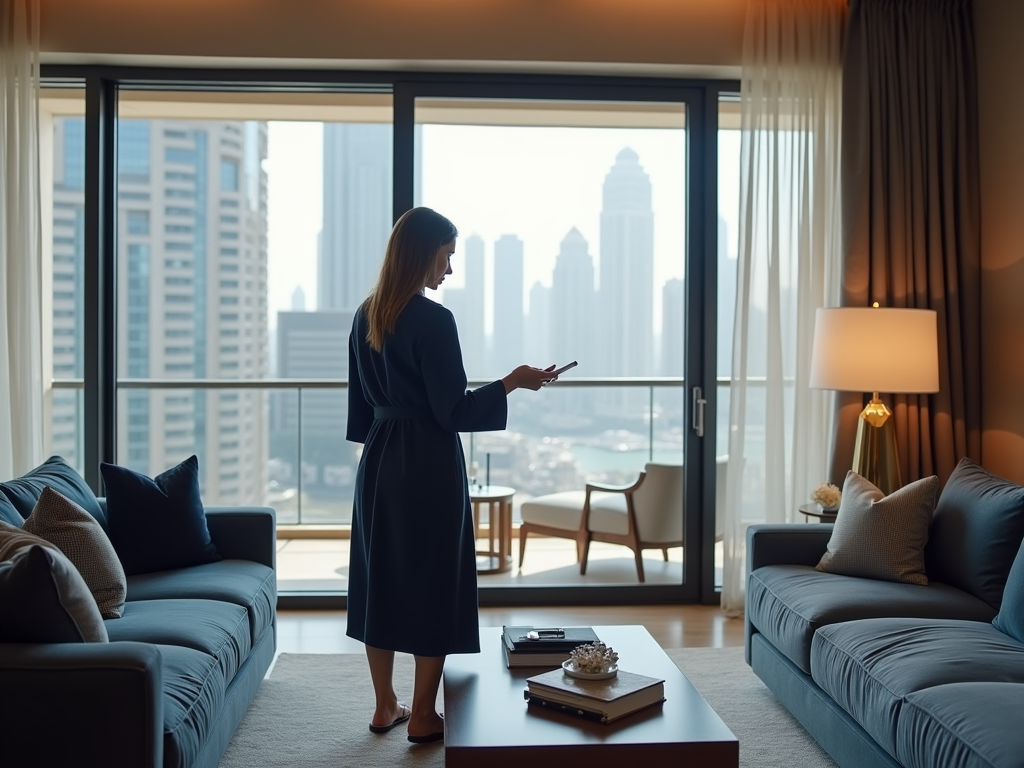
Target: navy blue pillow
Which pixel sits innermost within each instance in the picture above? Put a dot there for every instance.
(157, 524)
(23, 492)
(1010, 618)
(976, 530)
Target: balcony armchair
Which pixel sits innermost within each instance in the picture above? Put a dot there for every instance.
(647, 514)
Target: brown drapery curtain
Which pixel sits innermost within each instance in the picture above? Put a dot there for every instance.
(911, 208)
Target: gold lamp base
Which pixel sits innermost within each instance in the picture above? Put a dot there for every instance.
(874, 454)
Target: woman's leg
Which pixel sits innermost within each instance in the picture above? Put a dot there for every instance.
(425, 719)
(382, 666)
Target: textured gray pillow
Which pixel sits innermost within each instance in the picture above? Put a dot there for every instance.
(79, 536)
(43, 597)
(878, 536)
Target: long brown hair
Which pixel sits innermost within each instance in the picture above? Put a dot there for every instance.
(415, 240)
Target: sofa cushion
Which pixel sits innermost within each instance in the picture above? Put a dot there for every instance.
(963, 724)
(1010, 618)
(213, 627)
(157, 524)
(79, 536)
(976, 531)
(193, 696)
(881, 537)
(23, 492)
(8, 513)
(43, 599)
(869, 666)
(788, 603)
(555, 510)
(240, 582)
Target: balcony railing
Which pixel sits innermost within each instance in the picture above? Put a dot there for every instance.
(291, 442)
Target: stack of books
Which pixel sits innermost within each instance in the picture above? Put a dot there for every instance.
(551, 647)
(599, 700)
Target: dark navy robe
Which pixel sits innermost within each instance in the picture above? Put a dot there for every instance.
(412, 568)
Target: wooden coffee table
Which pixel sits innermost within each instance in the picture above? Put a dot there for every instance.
(488, 723)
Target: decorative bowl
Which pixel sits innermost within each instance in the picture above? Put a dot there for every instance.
(571, 671)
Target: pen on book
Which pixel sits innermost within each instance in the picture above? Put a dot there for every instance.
(537, 634)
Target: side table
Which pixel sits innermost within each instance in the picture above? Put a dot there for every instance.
(497, 558)
(814, 511)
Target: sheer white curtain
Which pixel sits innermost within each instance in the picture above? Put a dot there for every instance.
(21, 366)
(789, 251)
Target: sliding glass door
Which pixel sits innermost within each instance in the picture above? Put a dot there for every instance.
(575, 227)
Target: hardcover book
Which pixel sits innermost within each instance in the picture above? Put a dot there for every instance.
(602, 700)
(547, 652)
(517, 640)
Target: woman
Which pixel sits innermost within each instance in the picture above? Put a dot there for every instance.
(412, 569)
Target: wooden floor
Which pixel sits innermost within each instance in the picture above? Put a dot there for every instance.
(672, 626)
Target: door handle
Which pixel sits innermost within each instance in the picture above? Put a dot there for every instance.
(698, 411)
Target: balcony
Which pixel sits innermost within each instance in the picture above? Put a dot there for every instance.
(281, 443)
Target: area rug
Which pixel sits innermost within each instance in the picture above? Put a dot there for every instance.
(313, 710)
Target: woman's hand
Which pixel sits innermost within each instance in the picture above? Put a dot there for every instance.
(527, 377)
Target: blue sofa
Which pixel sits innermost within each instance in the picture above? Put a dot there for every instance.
(183, 664)
(890, 674)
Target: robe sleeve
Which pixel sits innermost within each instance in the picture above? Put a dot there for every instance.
(360, 412)
(444, 378)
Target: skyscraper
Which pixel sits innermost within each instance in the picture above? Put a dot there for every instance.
(627, 269)
(573, 303)
(192, 302)
(508, 304)
(467, 304)
(538, 344)
(672, 320)
(357, 212)
(314, 345)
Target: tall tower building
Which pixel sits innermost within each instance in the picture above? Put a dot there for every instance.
(357, 212)
(314, 345)
(573, 303)
(508, 303)
(467, 304)
(627, 269)
(65, 427)
(672, 319)
(537, 346)
(192, 295)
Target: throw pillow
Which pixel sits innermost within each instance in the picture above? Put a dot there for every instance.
(977, 530)
(1010, 618)
(43, 597)
(23, 492)
(881, 537)
(157, 524)
(79, 536)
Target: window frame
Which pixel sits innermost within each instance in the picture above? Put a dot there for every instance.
(701, 96)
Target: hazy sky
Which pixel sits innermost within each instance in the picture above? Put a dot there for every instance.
(536, 183)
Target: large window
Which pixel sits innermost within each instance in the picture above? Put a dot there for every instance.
(250, 225)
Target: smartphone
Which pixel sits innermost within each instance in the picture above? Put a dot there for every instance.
(564, 368)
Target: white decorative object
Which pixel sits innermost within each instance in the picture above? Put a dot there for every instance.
(592, 661)
(571, 671)
(827, 496)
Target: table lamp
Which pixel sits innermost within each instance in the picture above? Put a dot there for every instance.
(876, 350)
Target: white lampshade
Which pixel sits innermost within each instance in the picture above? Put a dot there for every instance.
(875, 350)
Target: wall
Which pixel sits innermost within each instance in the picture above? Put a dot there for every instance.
(998, 24)
(690, 37)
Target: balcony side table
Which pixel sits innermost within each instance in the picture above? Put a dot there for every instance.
(497, 558)
(815, 511)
